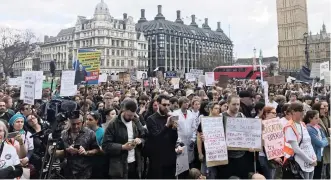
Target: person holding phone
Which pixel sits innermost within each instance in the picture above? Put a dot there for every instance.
(122, 142)
(162, 141)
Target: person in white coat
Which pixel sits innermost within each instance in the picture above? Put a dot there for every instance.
(186, 127)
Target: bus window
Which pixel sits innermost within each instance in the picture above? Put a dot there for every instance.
(228, 70)
(241, 69)
(235, 69)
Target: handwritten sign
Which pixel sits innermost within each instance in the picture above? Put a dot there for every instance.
(189, 77)
(273, 138)
(243, 133)
(38, 84)
(68, 87)
(209, 78)
(308, 149)
(29, 88)
(182, 162)
(215, 145)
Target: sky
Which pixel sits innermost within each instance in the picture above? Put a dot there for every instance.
(249, 23)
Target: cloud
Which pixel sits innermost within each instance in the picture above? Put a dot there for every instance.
(253, 23)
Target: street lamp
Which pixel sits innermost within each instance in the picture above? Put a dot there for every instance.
(305, 36)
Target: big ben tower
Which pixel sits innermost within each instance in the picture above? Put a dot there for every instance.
(292, 23)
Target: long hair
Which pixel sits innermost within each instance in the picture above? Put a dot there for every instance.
(310, 115)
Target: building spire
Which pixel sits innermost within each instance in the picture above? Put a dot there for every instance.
(324, 27)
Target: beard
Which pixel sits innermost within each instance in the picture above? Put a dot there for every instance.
(2, 111)
(164, 111)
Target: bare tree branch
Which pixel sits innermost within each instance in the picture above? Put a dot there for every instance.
(15, 46)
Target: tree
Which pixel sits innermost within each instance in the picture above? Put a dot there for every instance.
(15, 46)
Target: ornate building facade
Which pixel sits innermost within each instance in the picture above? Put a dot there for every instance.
(319, 46)
(292, 24)
(115, 38)
(172, 45)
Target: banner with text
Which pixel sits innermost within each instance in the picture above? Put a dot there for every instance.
(87, 66)
(243, 133)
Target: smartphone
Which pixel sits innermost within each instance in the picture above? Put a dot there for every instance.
(174, 118)
(76, 146)
(12, 134)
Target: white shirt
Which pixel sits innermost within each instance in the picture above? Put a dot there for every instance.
(272, 104)
(9, 156)
(284, 121)
(129, 128)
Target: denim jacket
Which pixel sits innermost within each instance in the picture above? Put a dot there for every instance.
(316, 142)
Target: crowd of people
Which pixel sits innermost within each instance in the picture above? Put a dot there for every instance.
(127, 131)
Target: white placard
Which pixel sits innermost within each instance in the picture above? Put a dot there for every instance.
(13, 82)
(102, 78)
(327, 79)
(189, 77)
(324, 68)
(182, 162)
(175, 82)
(266, 91)
(273, 137)
(209, 78)
(215, 144)
(142, 75)
(68, 87)
(244, 133)
(38, 84)
(196, 72)
(315, 70)
(29, 88)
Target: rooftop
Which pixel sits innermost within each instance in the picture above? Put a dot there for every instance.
(178, 26)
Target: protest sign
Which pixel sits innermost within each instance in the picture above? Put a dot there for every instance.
(68, 88)
(175, 82)
(273, 138)
(182, 162)
(243, 133)
(38, 84)
(196, 72)
(215, 144)
(189, 77)
(29, 88)
(102, 78)
(87, 66)
(209, 78)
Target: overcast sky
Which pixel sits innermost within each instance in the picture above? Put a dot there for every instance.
(253, 23)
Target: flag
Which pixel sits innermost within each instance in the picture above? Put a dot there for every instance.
(156, 69)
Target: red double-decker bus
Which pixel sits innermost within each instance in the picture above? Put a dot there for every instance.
(240, 72)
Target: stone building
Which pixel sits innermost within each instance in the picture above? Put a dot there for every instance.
(292, 24)
(115, 38)
(176, 46)
(319, 46)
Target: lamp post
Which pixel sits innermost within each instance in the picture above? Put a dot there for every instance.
(254, 59)
(305, 36)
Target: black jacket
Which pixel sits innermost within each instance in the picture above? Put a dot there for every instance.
(161, 141)
(115, 136)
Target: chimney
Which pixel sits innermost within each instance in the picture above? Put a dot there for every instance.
(45, 38)
(219, 29)
(142, 16)
(193, 21)
(179, 19)
(205, 25)
(159, 13)
(125, 16)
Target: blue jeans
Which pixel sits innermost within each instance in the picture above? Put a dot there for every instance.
(209, 172)
(267, 170)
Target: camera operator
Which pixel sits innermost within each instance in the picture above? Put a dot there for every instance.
(78, 146)
(10, 166)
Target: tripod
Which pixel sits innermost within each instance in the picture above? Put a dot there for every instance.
(51, 142)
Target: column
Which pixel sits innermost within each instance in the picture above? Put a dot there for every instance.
(175, 53)
(170, 58)
(165, 53)
(156, 51)
(179, 57)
